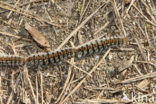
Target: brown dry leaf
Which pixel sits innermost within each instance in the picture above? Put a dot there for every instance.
(37, 36)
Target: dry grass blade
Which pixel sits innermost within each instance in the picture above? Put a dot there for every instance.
(101, 28)
(142, 53)
(36, 90)
(80, 69)
(130, 80)
(10, 97)
(132, 1)
(41, 85)
(154, 24)
(21, 21)
(37, 36)
(11, 11)
(83, 10)
(105, 101)
(137, 69)
(148, 62)
(120, 20)
(12, 35)
(31, 2)
(29, 81)
(65, 85)
(149, 10)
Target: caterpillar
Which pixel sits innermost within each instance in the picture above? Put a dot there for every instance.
(11, 61)
(52, 57)
(99, 46)
(93, 47)
(87, 49)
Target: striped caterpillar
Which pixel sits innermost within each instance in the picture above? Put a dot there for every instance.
(99, 46)
(11, 61)
(53, 57)
(90, 48)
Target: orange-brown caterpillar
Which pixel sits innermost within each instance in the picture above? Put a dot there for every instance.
(11, 61)
(99, 46)
(50, 57)
(87, 49)
(90, 48)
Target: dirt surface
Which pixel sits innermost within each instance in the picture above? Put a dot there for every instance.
(124, 75)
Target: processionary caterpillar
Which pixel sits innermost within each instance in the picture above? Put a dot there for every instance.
(87, 49)
(11, 60)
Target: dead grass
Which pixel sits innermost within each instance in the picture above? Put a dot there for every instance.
(115, 77)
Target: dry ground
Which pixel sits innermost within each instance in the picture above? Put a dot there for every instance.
(118, 76)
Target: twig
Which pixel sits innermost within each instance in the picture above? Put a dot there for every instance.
(120, 20)
(65, 85)
(141, 51)
(131, 80)
(104, 101)
(10, 97)
(32, 1)
(36, 90)
(101, 28)
(14, 6)
(12, 35)
(41, 85)
(129, 7)
(27, 8)
(29, 81)
(79, 69)
(154, 24)
(83, 10)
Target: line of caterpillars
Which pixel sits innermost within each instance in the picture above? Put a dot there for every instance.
(93, 47)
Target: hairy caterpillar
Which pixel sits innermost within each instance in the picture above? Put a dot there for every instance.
(53, 57)
(11, 60)
(90, 48)
(99, 46)
(50, 57)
